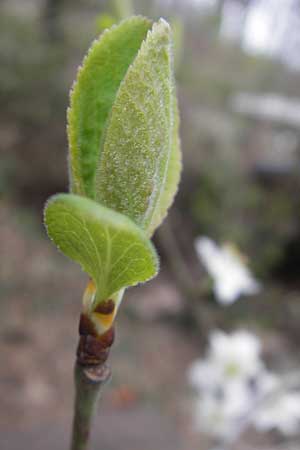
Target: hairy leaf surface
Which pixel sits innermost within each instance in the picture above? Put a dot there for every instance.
(139, 165)
(93, 94)
(172, 175)
(109, 246)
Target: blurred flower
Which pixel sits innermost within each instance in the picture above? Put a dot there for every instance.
(236, 354)
(226, 381)
(281, 412)
(233, 388)
(230, 275)
(230, 357)
(219, 412)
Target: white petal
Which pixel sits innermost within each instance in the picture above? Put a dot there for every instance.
(281, 412)
(231, 276)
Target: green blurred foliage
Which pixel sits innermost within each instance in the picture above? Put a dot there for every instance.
(229, 206)
(104, 21)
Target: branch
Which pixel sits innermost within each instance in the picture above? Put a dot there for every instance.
(89, 382)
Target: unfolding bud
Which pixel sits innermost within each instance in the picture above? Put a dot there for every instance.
(90, 351)
(106, 307)
(103, 316)
(86, 326)
(108, 338)
(89, 295)
(93, 348)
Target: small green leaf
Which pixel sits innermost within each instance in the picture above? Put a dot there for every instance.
(139, 164)
(109, 246)
(93, 94)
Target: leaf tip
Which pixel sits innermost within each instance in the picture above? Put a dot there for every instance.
(164, 24)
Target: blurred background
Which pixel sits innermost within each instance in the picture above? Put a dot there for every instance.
(238, 79)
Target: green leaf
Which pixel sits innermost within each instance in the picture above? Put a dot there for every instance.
(109, 246)
(172, 176)
(139, 164)
(93, 94)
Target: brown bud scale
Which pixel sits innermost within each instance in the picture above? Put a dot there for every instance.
(106, 307)
(86, 326)
(108, 337)
(93, 350)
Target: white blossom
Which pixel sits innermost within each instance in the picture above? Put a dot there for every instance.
(230, 275)
(237, 354)
(281, 412)
(233, 387)
(229, 357)
(225, 381)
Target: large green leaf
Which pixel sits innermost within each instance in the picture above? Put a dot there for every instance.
(110, 247)
(93, 94)
(139, 163)
(172, 175)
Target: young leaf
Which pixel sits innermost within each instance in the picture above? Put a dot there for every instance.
(172, 176)
(93, 94)
(109, 246)
(139, 163)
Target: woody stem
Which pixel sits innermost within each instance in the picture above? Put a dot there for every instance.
(89, 382)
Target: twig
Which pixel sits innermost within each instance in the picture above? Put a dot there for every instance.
(91, 373)
(89, 382)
